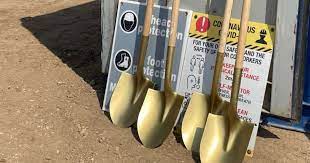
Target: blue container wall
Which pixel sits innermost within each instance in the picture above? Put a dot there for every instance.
(307, 72)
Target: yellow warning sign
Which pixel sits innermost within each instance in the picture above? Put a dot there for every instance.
(260, 36)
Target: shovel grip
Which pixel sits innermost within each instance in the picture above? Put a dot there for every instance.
(148, 17)
(174, 23)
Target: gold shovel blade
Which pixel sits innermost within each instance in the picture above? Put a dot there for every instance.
(157, 117)
(225, 138)
(194, 121)
(127, 99)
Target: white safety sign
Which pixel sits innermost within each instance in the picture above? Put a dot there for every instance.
(199, 62)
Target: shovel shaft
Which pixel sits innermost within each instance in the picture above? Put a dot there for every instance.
(145, 37)
(148, 17)
(225, 26)
(240, 52)
(172, 43)
(243, 33)
(174, 23)
(168, 71)
(221, 51)
(143, 51)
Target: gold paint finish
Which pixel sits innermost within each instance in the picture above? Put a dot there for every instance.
(226, 137)
(194, 121)
(161, 108)
(201, 105)
(159, 111)
(130, 91)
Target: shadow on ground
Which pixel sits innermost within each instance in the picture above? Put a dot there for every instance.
(264, 133)
(74, 36)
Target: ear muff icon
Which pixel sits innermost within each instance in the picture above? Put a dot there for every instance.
(129, 21)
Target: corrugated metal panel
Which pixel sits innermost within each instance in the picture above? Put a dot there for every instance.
(283, 62)
(263, 11)
(108, 10)
(300, 60)
(307, 69)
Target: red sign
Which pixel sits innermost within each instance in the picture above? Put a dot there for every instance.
(202, 24)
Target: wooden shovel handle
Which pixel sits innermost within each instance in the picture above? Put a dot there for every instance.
(225, 25)
(171, 45)
(148, 17)
(221, 51)
(145, 38)
(174, 23)
(240, 53)
(243, 33)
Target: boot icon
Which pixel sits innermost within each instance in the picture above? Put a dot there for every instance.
(123, 60)
(124, 63)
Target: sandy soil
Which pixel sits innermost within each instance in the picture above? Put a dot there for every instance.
(51, 89)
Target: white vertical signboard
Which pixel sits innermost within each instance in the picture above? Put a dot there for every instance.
(199, 59)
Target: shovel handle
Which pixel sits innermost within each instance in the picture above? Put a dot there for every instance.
(148, 17)
(221, 51)
(145, 38)
(243, 33)
(171, 45)
(225, 26)
(174, 23)
(240, 52)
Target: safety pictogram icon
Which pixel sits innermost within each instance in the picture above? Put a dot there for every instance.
(202, 24)
(123, 60)
(262, 35)
(129, 21)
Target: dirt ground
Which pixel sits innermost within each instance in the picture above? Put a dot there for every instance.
(51, 91)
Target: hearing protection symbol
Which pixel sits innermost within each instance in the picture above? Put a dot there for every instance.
(123, 60)
(128, 21)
